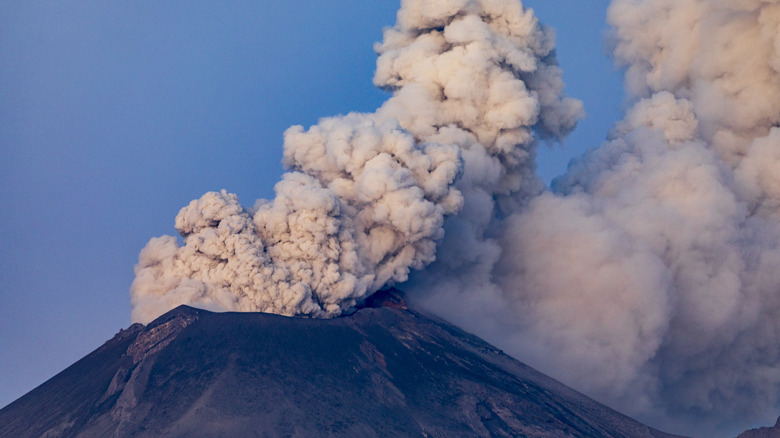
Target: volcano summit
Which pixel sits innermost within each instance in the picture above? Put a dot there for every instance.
(381, 371)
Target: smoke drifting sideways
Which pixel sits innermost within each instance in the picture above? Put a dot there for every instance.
(474, 85)
(648, 275)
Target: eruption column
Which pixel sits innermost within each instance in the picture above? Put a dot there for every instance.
(365, 197)
(646, 277)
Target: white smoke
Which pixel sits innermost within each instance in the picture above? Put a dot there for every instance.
(647, 277)
(364, 201)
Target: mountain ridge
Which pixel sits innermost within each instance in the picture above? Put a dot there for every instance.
(763, 432)
(384, 370)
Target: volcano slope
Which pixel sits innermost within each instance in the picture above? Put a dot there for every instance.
(385, 370)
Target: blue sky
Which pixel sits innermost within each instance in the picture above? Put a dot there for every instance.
(114, 115)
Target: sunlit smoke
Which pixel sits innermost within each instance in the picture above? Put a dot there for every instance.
(474, 84)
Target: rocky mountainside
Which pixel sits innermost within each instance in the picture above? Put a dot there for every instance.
(385, 370)
(763, 432)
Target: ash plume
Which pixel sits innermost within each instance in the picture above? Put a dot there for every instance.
(364, 200)
(645, 277)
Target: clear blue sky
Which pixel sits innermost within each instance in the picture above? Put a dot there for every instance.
(114, 115)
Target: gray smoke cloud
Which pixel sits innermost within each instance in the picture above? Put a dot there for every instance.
(645, 277)
(474, 83)
(648, 276)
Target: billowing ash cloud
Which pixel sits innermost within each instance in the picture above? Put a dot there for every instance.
(364, 200)
(649, 276)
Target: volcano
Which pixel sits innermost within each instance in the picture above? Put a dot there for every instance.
(385, 370)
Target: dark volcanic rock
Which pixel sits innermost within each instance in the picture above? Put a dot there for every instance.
(763, 432)
(382, 371)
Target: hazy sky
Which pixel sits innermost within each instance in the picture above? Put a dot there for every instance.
(114, 115)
